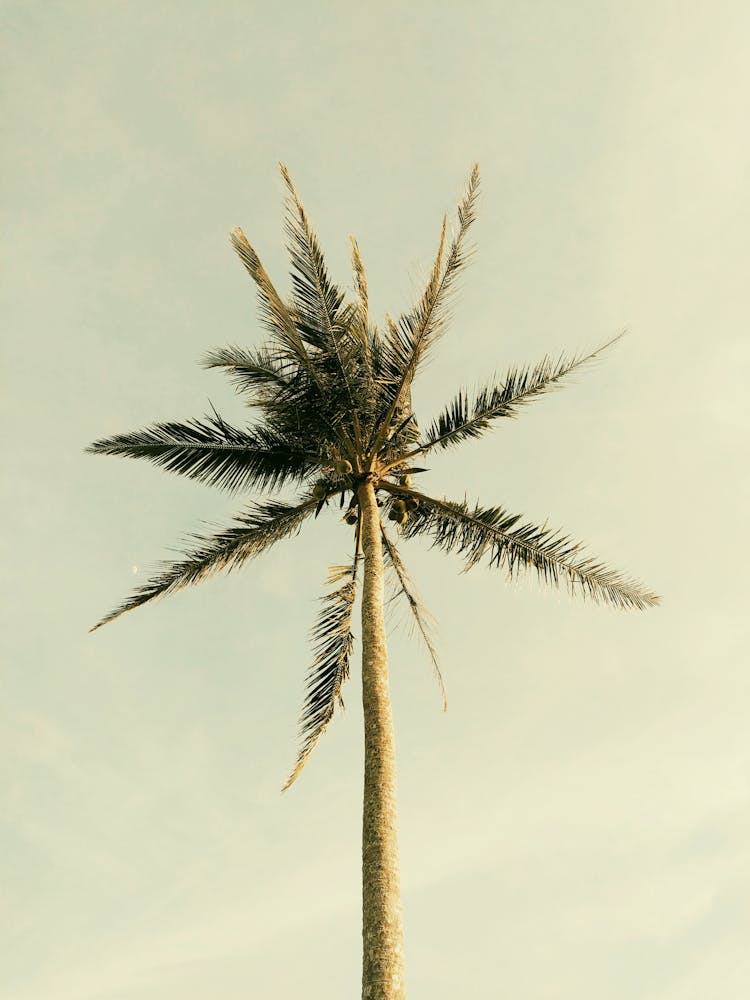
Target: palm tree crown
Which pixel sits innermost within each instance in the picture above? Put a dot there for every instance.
(332, 393)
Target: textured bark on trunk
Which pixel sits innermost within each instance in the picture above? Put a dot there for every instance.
(382, 927)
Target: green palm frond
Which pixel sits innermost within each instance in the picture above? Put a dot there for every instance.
(422, 617)
(360, 277)
(263, 376)
(306, 413)
(400, 351)
(324, 320)
(260, 527)
(317, 299)
(367, 346)
(411, 338)
(332, 643)
(493, 532)
(407, 337)
(276, 315)
(279, 318)
(215, 453)
(465, 418)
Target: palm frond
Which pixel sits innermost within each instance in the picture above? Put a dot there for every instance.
(360, 325)
(303, 410)
(400, 351)
(260, 527)
(361, 281)
(323, 319)
(422, 617)
(315, 295)
(275, 313)
(332, 642)
(215, 453)
(411, 338)
(465, 418)
(280, 320)
(261, 374)
(493, 532)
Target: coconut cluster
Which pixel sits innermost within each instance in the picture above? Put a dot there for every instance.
(398, 508)
(398, 512)
(341, 467)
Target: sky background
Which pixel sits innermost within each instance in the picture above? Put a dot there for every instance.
(578, 824)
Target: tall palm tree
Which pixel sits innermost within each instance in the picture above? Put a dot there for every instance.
(332, 393)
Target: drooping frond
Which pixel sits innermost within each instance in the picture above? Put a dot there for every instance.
(422, 617)
(332, 643)
(465, 418)
(413, 335)
(493, 532)
(214, 453)
(254, 532)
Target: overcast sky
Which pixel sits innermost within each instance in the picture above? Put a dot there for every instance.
(578, 824)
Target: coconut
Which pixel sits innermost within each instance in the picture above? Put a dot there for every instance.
(405, 481)
(398, 508)
(320, 490)
(403, 517)
(412, 503)
(342, 467)
(351, 516)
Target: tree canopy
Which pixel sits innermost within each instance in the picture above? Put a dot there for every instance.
(331, 392)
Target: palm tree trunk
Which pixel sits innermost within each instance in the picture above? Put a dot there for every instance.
(382, 928)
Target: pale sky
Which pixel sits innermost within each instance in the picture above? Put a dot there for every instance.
(578, 824)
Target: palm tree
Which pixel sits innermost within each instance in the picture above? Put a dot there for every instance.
(333, 397)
